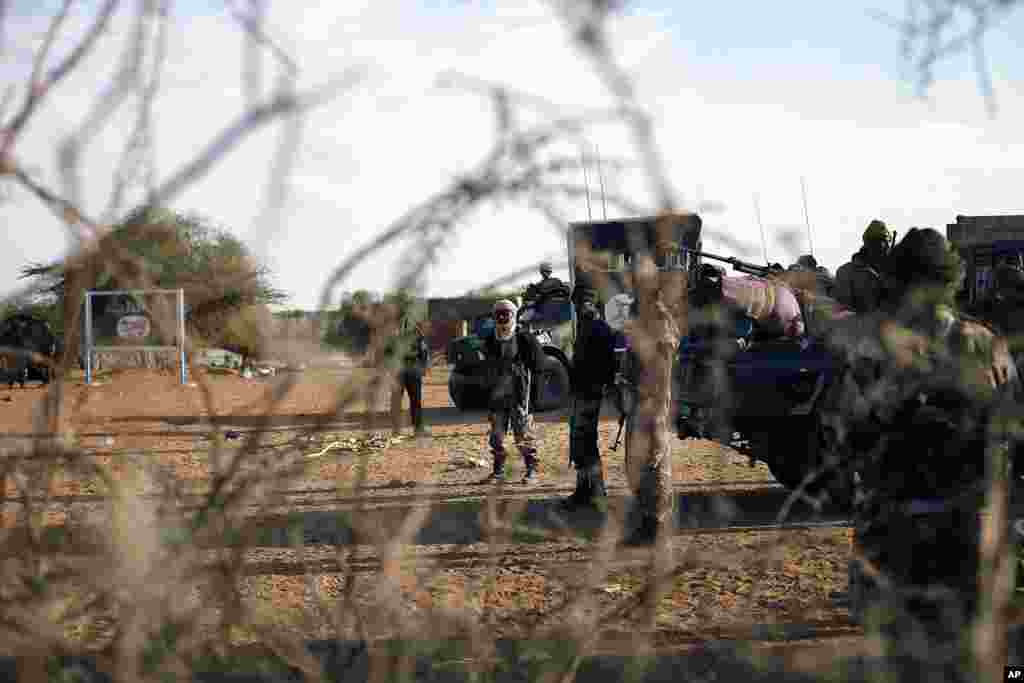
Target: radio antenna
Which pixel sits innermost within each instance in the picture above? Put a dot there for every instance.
(586, 182)
(764, 243)
(600, 177)
(807, 220)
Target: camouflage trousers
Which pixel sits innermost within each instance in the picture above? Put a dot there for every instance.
(649, 465)
(583, 448)
(518, 416)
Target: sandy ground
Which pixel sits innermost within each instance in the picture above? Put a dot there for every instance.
(731, 583)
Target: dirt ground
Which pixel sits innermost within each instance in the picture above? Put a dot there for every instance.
(745, 581)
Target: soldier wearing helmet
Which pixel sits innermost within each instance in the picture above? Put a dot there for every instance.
(858, 284)
(514, 358)
(913, 414)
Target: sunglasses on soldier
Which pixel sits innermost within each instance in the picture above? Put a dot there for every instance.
(503, 315)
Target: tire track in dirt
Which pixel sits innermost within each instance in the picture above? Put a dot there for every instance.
(422, 493)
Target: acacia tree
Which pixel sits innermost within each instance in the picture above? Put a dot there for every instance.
(221, 280)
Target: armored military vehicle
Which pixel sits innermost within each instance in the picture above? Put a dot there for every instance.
(772, 373)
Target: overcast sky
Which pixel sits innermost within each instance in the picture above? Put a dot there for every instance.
(748, 98)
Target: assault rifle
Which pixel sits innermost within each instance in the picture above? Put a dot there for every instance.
(622, 391)
(741, 266)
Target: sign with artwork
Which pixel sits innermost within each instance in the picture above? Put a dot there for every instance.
(133, 326)
(133, 320)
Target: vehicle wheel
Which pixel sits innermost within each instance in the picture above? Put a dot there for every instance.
(458, 393)
(790, 461)
(552, 390)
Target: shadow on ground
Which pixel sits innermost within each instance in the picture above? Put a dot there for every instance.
(512, 662)
(462, 522)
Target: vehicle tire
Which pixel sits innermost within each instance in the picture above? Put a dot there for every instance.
(466, 392)
(791, 461)
(552, 389)
(458, 392)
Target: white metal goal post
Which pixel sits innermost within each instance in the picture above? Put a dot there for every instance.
(132, 318)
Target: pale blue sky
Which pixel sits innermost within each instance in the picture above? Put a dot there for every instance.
(748, 97)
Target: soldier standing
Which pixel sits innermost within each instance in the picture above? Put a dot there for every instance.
(514, 357)
(911, 414)
(593, 369)
(858, 283)
(409, 380)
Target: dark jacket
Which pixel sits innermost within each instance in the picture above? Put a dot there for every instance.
(548, 288)
(417, 360)
(593, 363)
(859, 284)
(508, 363)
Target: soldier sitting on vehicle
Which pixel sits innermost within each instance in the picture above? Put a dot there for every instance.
(549, 288)
(824, 284)
(858, 283)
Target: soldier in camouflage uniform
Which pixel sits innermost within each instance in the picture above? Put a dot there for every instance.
(514, 357)
(593, 370)
(910, 414)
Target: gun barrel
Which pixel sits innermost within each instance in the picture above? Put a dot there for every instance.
(741, 266)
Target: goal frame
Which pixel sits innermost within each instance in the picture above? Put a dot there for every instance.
(91, 348)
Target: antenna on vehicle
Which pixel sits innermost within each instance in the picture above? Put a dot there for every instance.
(807, 220)
(764, 243)
(600, 177)
(586, 183)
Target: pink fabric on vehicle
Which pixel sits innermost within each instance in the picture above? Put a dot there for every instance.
(771, 304)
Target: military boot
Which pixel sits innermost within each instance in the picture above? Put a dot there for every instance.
(530, 475)
(590, 490)
(497, 475)
(645, 534)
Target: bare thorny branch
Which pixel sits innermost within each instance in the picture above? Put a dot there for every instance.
(524, 165)
(933, 31)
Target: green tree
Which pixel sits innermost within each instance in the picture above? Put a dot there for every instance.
(164, 249)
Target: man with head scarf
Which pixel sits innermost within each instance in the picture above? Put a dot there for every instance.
(515, 358)
(858, 284)
(911, 415)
